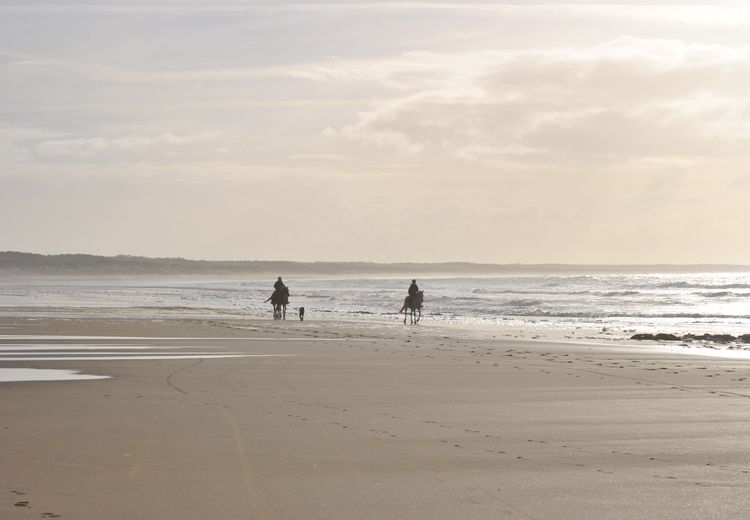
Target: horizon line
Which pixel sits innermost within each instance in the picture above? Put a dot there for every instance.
(384, 263)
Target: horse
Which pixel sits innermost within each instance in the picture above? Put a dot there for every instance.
(279, 299)
(413, 304)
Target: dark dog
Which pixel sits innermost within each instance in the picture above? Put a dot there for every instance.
(301, 313)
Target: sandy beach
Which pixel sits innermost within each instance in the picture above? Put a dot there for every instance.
(556, 192)
(359, 421)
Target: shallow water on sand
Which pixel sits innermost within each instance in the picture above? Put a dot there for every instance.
(75, 353)
(43, 374)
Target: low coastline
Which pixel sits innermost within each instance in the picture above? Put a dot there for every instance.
(366, 420)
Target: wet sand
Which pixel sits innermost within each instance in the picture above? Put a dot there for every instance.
(354, 421)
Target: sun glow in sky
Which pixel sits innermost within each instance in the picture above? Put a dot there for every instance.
(387, 131)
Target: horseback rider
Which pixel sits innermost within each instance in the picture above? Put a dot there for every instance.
(282, 291)
(279, 299)
(413, 290)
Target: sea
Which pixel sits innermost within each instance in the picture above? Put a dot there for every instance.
(654, 302)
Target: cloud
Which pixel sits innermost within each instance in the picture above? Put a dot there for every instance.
(94, 146)
(25, 145)
(631, 99)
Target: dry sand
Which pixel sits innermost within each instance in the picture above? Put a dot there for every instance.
(372, 422)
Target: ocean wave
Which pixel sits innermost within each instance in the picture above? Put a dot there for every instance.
(567, 280)
(617, 293)
(526, 291)
(555, 293)
(542, 313)
(722, 294)
(689, 285)
(676, 285)
(445, 298)
(521, 303)
(482, 290)
(718, 294)
(318, 296)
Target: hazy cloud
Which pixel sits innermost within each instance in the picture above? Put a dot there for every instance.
(629, 99)
(87, 147)
(486, 131)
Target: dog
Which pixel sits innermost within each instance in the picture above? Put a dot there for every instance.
(301, 313)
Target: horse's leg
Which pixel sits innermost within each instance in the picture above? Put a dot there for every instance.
(283, 307)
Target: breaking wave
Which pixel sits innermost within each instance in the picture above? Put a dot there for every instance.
(690, 285)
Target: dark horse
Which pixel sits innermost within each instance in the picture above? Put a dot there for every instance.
(413, 304)
(279, 299)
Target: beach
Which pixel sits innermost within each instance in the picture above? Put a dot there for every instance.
(321, 420)
(216, 215)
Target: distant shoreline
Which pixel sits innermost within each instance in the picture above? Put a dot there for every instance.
(14, 263)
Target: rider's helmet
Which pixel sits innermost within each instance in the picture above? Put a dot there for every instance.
(413, 281)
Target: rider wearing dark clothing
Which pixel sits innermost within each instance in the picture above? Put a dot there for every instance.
(280, 294)
(281, 291)
(413, 290)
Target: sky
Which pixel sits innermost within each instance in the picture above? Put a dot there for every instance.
(425, 131)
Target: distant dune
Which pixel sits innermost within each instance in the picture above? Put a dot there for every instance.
(14, 263)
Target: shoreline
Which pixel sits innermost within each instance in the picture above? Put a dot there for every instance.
(538, 330)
